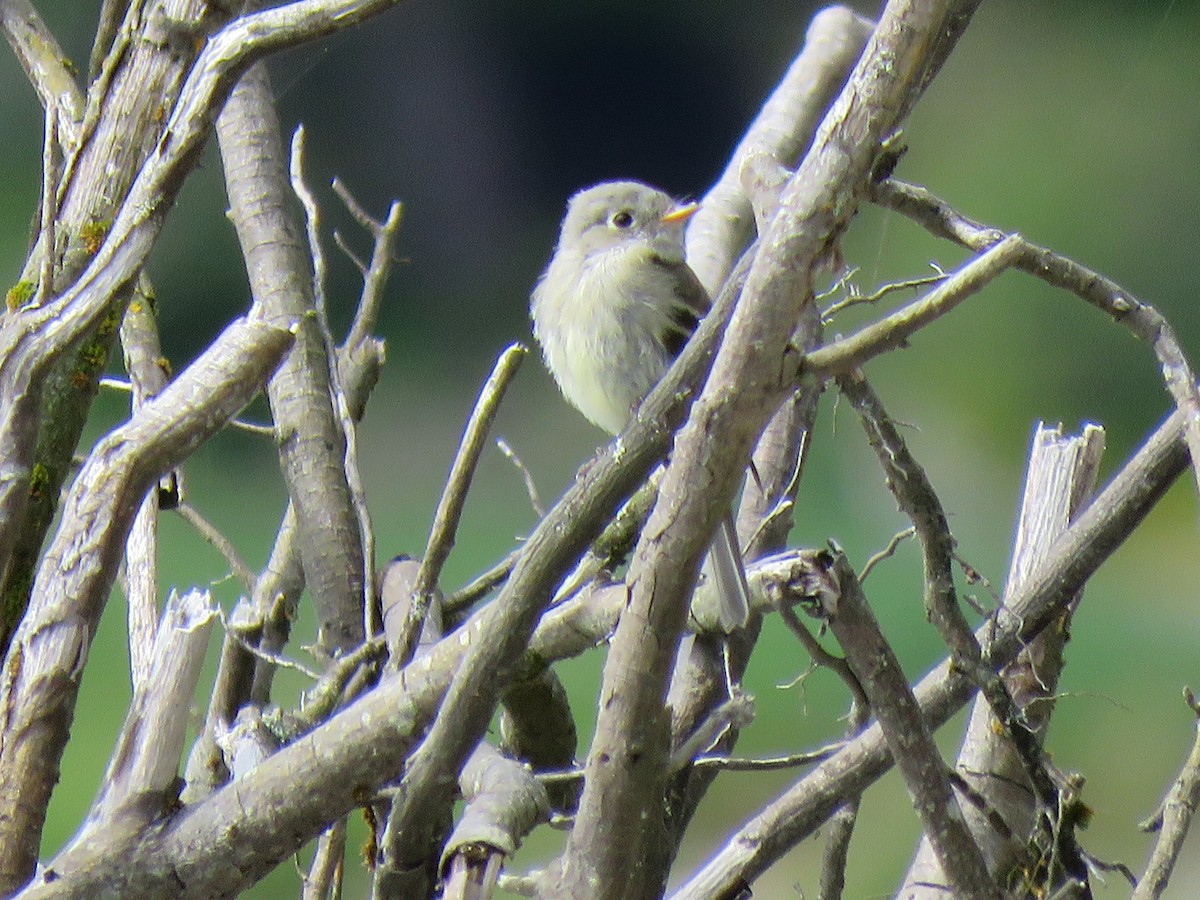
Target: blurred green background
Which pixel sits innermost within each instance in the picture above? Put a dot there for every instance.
(1076, 123)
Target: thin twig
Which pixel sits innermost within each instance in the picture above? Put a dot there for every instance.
(255, 428)
(454, 497)
(854, 297)
(1173, 819)
(349, 253)
(614, 543)
(530, 488)
(48, 213)
(380, 266)
(786, 500)
(886, 553)
(769, 763)
(720, 763)
(914, 493)
(112, 13)
(893, 331)
(220, 543)
(737, 712)
(479, 587)
(822, 657)
(842, 823)
(275, 659)
(324, 877)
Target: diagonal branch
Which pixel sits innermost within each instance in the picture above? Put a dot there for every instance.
(453, 499)
(892, 331)
(779, 136)
(908, 736)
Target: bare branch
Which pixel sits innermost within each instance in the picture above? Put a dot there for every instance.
(842, 823)
(32, 338)
(44, 63)
(324, 878)
(147, 377)
(483, 584)
(782, 131)
(746, 195)
(345, 417)
(503, 804)
(894, 330)
(1173, 820)
(378, 269)
(775, 141)
(768, 764)
(220, 543)
(526, 476)
(886, 553)
(112, 14)
(1001, 762)
(48, 210)
(312, 447)
(1141, 319)
(454, 497)
(141, 778)
(908, 736)
(855, 297)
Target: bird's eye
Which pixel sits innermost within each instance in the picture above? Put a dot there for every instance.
(622, 219)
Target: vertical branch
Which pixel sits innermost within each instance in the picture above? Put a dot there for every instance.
(147, 375)
(346, 420)
(410, 833)
(312, 447)
(142, 774)
(48, 210)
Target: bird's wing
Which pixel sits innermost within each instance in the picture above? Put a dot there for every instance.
(689, 303)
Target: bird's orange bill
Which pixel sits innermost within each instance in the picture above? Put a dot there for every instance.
(681, 213)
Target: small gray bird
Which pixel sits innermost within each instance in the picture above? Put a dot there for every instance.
(614, 307)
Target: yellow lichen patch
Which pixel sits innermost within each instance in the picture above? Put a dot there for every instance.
(39, 479)
(93, 234)
(109, 324)
(94, 356)
(19, 294)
